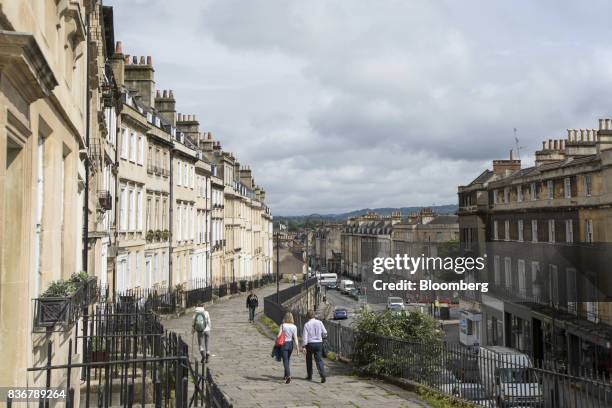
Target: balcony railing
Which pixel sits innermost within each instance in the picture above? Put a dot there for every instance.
(105, 199)
(157, 170)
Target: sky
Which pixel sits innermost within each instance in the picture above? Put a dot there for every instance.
(343, 105)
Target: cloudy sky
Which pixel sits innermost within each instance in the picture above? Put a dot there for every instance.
(341, 105)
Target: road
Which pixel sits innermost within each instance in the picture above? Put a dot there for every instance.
(336, 299)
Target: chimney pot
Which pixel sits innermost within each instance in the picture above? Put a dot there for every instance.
(165, 93)
(118, 48)
(142, 60)
(550, 144)
(134, 60)
(149, 60)
(126, 59)
(157, 94)
(171, 94)
(544, 145)
(511, 154)
(601, 123)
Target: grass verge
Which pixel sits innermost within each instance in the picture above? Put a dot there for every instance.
(269, 323)
(436, 400)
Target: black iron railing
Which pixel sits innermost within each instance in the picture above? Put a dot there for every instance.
(105, 199)
(470, 373)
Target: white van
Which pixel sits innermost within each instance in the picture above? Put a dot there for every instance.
(508, 376)
(346, 286)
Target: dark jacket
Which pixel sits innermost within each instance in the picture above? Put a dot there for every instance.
(252, 301)
(277, 353)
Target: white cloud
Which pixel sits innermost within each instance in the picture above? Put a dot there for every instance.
(349, 104)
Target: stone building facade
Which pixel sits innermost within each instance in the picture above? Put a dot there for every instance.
(43, 159)
(546, 232)
(89, 161)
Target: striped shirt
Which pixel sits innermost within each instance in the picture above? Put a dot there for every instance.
(313, 331)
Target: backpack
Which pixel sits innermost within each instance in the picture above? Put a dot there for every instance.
(200, 322)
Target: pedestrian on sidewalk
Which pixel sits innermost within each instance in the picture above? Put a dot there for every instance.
(201, 326)
(312, 336)
(289, 330)
(294, 279)
(252, 302)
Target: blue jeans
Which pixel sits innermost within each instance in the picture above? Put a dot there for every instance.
(314, 349)
(251, 314)
(287, 350)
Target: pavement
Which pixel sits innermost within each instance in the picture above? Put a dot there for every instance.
(244, 370)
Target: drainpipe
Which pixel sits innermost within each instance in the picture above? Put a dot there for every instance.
(86, 204)
(170, 218)
(87, 126)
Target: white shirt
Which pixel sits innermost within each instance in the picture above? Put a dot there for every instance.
(290, 331)
(313, 331)
(206, 317)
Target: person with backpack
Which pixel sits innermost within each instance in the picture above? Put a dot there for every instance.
(286, 340)
(252, 302)
(201, 326)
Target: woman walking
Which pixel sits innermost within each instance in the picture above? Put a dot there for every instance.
(289, 330)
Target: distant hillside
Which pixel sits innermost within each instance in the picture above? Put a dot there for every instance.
(440, 209)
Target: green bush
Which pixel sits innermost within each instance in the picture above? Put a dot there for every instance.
(398, 344)
(60, 288)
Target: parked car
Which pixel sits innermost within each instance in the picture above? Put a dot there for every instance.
(340, 313)
(354, 293)
(475, 393)
(395, 303)
(331, 285)
(445, 381)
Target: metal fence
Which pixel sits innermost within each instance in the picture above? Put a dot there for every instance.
(129, 359)
(487, 376)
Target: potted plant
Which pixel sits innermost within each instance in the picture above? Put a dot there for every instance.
(97, 350)
(158, 235)
(87, 282)
(55, 304)
(165, 234)
(150, 236)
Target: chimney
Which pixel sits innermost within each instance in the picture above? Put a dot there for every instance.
(117, 62)
(604, 138)
(503, 168)
(139, 78)
(245, 176)
(552, 151)
(189, 125)
(208, 144)
(166, 106)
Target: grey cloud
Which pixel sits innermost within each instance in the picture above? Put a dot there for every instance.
(347, 104)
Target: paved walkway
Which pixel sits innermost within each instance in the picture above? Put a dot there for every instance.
(242, 367)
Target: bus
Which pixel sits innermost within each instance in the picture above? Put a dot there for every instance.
(328, 279)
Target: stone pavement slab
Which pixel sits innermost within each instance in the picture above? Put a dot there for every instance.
(242, 367)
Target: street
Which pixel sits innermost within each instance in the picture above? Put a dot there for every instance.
(336, 299)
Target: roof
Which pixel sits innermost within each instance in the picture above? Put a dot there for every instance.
(445, 219)
(483, 177)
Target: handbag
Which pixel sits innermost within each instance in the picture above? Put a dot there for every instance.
(280, 339)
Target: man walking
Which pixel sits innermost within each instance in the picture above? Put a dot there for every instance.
(294, 279)
(201, 326)
(252, 302)
(313, 334)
